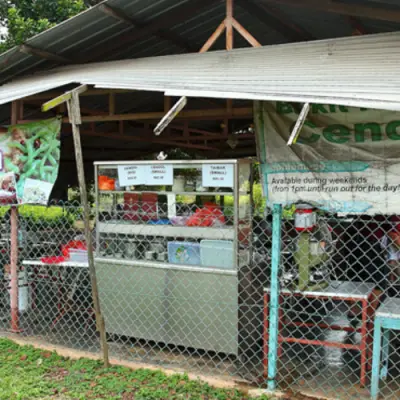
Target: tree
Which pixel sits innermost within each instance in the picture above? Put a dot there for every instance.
(23, 19)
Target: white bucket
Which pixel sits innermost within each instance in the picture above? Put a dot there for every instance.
(24, 292)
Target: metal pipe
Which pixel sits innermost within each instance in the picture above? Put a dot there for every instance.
(236, 215)
(14, 271)
(172, 267)
(15, 110)
(274, 297)
(97, 210)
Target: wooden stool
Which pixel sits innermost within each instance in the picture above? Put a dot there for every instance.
(387, 318)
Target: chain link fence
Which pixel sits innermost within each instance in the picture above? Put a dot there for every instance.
(188, 301)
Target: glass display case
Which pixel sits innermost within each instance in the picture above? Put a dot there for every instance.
(170, 237)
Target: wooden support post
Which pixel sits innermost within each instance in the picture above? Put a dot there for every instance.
(21, 109)
(229, 24)
(111, 103)
(75, 118)
(225, 126)
(15, 109)
(213, 38)
(167, 103)
(229, 106)
(74, 114)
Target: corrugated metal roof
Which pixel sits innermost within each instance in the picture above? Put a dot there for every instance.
(93, 30)
(360, 71)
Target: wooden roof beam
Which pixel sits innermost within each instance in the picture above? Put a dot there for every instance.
(245, 112)
(209, 115)
(165, 21)
(358, 26)
(147, 139)
(163, 34)
(43, 54)
(275, 19)
(355, 10)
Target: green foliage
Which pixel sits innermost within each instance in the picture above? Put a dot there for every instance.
(42, 217)
(26, 18)
(46, 217)
(74, 195)
(28, 373)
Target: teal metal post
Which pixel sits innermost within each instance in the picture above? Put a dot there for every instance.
(274, 297)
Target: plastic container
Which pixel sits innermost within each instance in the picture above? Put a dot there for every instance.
(76, 255)
(159, 222)
(184, 253)
(217, 254)
(179, 221)
(24, 292)
(305, 219)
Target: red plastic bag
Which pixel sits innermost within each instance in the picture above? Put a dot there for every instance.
(210, 215)
(106, 183)
(53, 260)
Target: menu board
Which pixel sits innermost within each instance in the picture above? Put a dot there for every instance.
(218, 175)
(131, 175)
(152, 175)
(159, 174)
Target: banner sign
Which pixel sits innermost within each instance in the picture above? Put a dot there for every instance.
(345, 159)
(29, 161)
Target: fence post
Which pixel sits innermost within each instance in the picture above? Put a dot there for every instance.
(14, 281)
(14, 271)
(274, 297)
(75, 120)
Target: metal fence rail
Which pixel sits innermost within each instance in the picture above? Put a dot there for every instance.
(204, 305)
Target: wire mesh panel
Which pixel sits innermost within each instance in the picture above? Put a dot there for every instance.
(54, 290)
(336, 275)
(198, 297)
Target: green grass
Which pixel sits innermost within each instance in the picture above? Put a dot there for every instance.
(29, 373)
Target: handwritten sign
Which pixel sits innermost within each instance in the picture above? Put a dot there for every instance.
(131, 175)
(218, 175)
(159, 174)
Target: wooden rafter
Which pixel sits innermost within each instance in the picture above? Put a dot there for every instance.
(358, 26)
(163, 34)
(354, 10)
(148, 139)
(43, 54)
(165, 21)
(89, 92)
(271, 16)
(205, 115)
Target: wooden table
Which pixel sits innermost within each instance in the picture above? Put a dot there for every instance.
(349, 292)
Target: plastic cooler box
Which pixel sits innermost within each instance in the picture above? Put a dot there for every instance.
(217, 253)
(184, 253)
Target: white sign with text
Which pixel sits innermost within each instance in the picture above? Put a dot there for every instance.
(159, 174)
(218, 175)
(131, 175)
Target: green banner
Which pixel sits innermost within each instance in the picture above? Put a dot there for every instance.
(29, 162)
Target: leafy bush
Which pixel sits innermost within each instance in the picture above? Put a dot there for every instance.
(42, 217)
